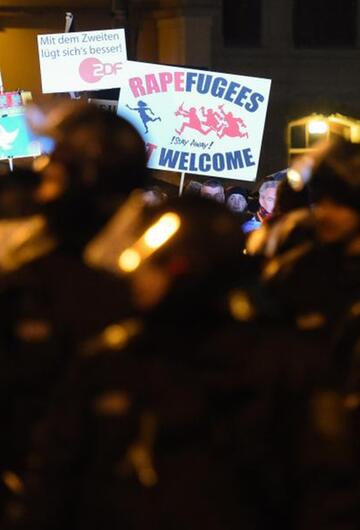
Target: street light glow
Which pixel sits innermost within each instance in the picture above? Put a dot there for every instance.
(318, 127)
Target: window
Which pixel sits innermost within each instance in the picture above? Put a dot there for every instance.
(242, 23)
(298, 136)
(325, 23)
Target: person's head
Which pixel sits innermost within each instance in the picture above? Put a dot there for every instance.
(236, 199)
(193, 188)
(267, 195)
(333, 175)
(278, 176)
(317, 244)
(95, 152)
(98, 159)
(186, 253)
(154, 196)
(212, 189)
(287, 199)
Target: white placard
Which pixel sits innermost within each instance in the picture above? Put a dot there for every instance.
(195, 121)
(84, 60)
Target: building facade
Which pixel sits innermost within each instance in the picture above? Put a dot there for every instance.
(309, 48)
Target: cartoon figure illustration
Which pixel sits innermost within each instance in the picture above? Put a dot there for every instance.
(194, 120)
(145, 114)
(231, 125)
(7, 138)
(222, 123)
(212, 119)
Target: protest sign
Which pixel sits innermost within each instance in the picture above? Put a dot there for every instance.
(84, 60)
(196, 121)
(16, 140)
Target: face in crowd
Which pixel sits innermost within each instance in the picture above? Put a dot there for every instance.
(212, 189)
(332, 176)
(267, 195)
(236, 202)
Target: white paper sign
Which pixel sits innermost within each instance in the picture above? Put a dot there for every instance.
(196, 121)
(84, 60)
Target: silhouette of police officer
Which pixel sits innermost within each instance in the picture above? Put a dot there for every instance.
(50, 298)
(154, 416)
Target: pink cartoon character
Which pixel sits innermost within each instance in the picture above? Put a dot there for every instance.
(231, 125)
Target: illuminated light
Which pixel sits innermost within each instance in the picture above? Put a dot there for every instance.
(352, 401)
(33, 330)
(40, 163)
(129, 260)
(318, 127)
(113, 403)
(115, 335)
(327, 415)
(13, 482)
(310, 321)
(274, 265)
(156, 236)
(141, 459)
(355, 309)
(140, 454)
(295, 179)
(159, 233)
(271, 269)
(148, 477)
(241, 307)
(255, 241)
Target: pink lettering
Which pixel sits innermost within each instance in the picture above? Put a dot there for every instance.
(151, 84)
(179, 81)
(136, 87)
(150, 148)
(165, 80)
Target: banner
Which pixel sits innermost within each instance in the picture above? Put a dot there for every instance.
(84, 60)
(195, 121)
(16, 141)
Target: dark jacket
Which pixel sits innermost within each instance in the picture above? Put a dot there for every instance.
(50, 301)
(211, 423)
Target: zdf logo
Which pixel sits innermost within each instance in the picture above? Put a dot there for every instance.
(92, 69)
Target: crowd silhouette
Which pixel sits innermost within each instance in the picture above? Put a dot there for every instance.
(178, 363)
